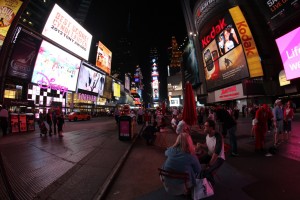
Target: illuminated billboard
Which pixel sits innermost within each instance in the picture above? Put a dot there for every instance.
(64, 30)
(55, 68)
(223, 55)
(90, 80)
(103, 59)
(278, 12)
(8, 11)
(289, 48)
(117, 89)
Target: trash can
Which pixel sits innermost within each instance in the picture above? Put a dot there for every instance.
(125, 128)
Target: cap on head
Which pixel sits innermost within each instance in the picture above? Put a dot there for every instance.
(277, 101)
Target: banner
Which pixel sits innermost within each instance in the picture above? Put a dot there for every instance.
(104, 56)
(25, 51)
(254, 64)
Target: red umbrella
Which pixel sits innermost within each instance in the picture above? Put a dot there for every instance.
(189, 114)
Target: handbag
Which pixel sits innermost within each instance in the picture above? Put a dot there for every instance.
(202, 189)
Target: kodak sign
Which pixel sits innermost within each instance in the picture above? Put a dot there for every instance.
(254, 64)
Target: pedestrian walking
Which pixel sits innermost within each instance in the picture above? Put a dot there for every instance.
(60, 123)
(49, 121)
(54, 121)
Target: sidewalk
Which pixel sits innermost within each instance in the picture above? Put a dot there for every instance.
(94, 164)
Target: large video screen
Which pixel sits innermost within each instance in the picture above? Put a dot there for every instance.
(117, 89)
(223, 56)
(289, 49)
(90, 80)
(64, 30)
(104, 56)
(55, 68)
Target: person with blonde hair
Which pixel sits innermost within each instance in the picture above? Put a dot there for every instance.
(180, 159)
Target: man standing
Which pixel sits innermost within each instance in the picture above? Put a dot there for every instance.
(3, 119)
(49, 122)
(278, 122)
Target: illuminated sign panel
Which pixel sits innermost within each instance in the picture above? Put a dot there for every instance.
(230, 93)
(248, 42)
(289, 48)
(174, 101)
(282, 79)
(223, 56)
(55, 68)
(8, 11)
(117, 90)
(64, 30)
(104, 56)
(90, 80)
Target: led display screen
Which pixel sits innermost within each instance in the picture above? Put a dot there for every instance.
(64, 30)
(55, 68)
(289, 48)
(223, 55)
(104, 56)
(90, 80)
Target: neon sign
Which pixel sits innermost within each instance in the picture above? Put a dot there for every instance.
(86, 97)
(49, 83)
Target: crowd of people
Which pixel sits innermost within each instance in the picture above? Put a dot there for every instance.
(202, 160)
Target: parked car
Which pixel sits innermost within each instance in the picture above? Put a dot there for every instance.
(74, 116)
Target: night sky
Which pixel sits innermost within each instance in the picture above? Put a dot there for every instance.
(152, 22)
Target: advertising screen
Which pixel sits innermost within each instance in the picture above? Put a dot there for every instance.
(90, 80)
(64, 30)
(55, 68)
(174, 101)
(190, 64)
(117, 90)
(104, 56)
(25, 49)
(127, 83)
(289, 48)
(277, 12)
(223, 56)
(8, 11)
(107, 87)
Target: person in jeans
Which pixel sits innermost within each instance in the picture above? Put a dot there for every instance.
(288, 115)
(229, 127)
(3, 119)
(278, 122)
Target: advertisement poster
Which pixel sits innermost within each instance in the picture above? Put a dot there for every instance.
(64, 30)
(289, 48)
(107, 87)
(125, 128)
(104, 56)
(30, 122)
(24, 53)
(23, 123)
(117, 90)
(14, 123)
(223, 55)
(55, 69)
(8, 11)
(90, 80)
(190, 64)
(277, 12)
